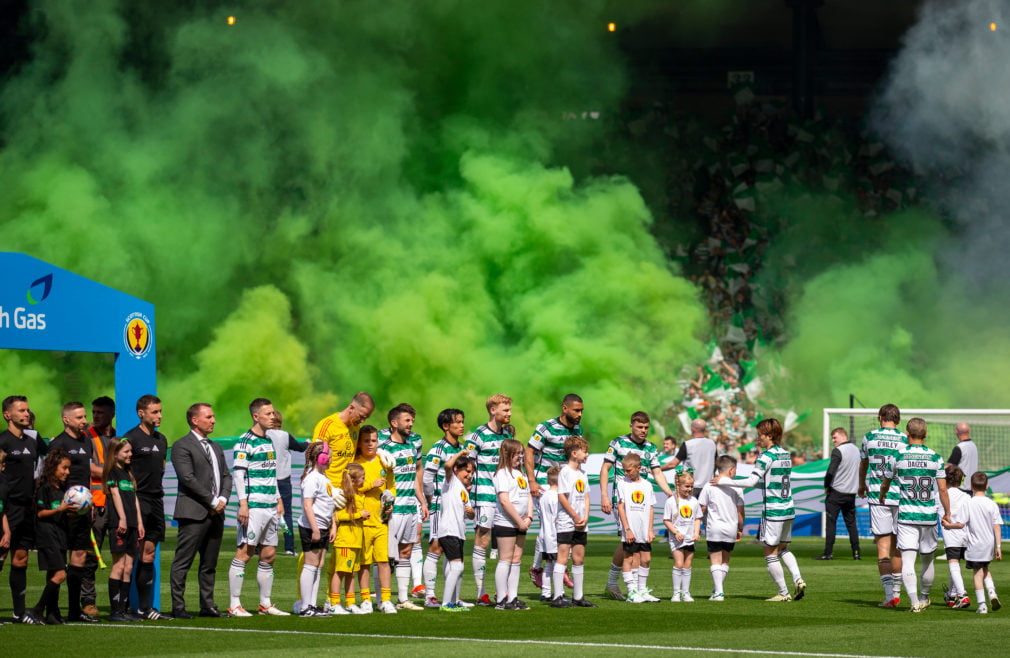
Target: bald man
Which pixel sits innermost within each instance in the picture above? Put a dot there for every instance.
(698, 453)
(964, 455)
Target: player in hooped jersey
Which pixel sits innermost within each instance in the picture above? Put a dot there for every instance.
(546, 448)
(485, 442)
(878, 447)
(404, 446)
(632, 442)
(772, 473)
(452, 424)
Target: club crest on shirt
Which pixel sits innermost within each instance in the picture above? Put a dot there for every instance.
(637, 497)
(521, 481)
(685, 511)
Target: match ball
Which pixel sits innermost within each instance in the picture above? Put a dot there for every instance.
(78, 495)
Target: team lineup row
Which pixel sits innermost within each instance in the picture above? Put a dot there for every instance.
(366, 495)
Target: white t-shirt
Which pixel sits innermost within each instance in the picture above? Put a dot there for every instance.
(317, 487)
(682, 512)
(983, 513)
(721, 517)
(451, 519)
(515, 484)
(957, 537)
(574, 483)
(639, 500)
(549, 507)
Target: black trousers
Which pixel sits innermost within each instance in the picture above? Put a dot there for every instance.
(203, 538)
(834, 503)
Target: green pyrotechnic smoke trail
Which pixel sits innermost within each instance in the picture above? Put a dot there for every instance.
(328, 197)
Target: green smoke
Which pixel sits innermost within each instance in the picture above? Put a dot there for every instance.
(327, 197)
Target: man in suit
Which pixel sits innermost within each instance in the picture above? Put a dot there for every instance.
(204, 486)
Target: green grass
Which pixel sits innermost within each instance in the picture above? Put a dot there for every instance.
(839, 615)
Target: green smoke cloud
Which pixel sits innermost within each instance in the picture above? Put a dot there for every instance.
(327, 197)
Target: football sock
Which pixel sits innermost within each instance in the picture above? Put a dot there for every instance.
(980, 598)
(309, 583)
(513, 582)
(416, 565)
(927, 575)
(74, 576)
(501, 580)
(236, 576)
(453, 576)
(643, 577)
(719, 572)
(887, 580)
(789, 560)
(990, 587)
(956, 580)
(908, 575)
(403, 574)
(265, 580)
(775, 571)
(578, 575)
(114, 596)
(558, 578)
(349, 599)
(478, 561)
(430, 574)
(18, 580)
(145, 581)
(678, 580)
(548, 578)
(631, 579)
(614, 575)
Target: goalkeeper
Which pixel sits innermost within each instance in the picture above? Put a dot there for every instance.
(379, 490)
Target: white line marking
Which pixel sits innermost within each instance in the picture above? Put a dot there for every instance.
(553, 643)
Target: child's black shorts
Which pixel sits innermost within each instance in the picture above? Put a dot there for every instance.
(508, 531)
(632, 547)
(128, 542)
(452, 547)
(308, 545)
(52, 559)
(955, 552)
(976, 565)
(573, 538)
(716, 546)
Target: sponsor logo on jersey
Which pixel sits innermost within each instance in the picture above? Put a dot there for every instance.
(435, 461)
(137, 335)
(637, 496)
(685, 511)
(240, 455)
(521, 481)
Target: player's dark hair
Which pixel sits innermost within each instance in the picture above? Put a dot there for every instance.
(446, 416)
(193, 410)
(570, 399)
(772, 428)
(110, 463)
(725, 462)
(48, 474)
(257, 404)
(979, 481)
(916, 428)
(145, 401)
(402, 408)
(465, 462)
(506, 453)
(9, 401)
(105, 402)
(889, 413)
(640, 417)
(955, 476)
(72, 406)
(365, 430)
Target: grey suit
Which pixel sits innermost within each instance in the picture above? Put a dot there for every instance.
(200, 528)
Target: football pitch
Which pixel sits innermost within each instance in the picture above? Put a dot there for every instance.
(837, 617)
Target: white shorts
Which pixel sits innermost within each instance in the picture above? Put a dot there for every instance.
(261, 530)
(402, 530)
(883, 520)
(484, 516)
(919, 538)
(773, 533)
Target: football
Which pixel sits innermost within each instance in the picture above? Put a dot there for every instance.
(78, 495)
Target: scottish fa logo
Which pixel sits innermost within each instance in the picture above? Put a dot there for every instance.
(521, 481)
(137, 335)
(685, 511)
(580, 486)
(637, 497)
(39, 289)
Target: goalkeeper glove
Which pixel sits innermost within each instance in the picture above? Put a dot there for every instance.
(386, 458)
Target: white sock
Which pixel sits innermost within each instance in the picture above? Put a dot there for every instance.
(265, 579)
(513, 583)
(643, 577)
(538, 557)
(501, 580)
(236, 576)
(677, 580)
(430, 574)
(559, 579)
(908, 576)
(403, 573)
(631, 579)
(719, 572)
(416, 565)
(789, 560)
(990, 587)
(614, 576)
(545, 590)
(927, 574)
(685, 583)
(453, 574)
(459, 585)
(896, 583)
(775, 571)
(479, 561)
(980, 598)
(956, 580)
(309, 583)
(578, 574)
(887, 580)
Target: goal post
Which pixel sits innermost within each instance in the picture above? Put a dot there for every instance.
(990, 431)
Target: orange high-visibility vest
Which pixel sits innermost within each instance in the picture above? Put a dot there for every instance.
(97, 491)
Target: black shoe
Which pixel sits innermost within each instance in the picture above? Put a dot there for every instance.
(561, 602)
(119, 618)
(30, 618)
(153, 614)
(84, 618)
(855, 555)
(181, 614)
(582, 603)
(213, 612)
(55, 620)
(519, 604)
(824, 556)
